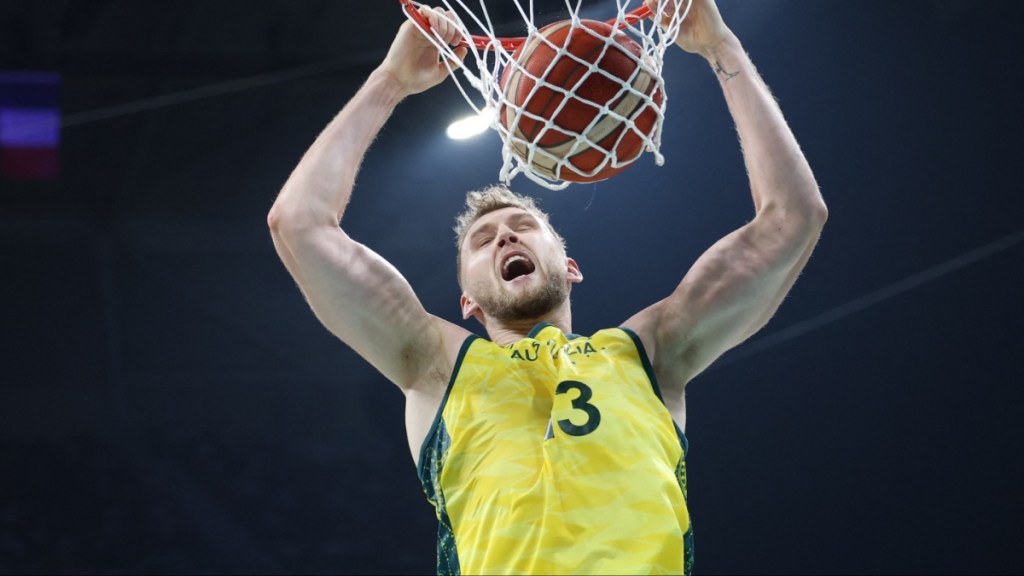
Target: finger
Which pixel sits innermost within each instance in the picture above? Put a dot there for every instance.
(428, 25)
(435, 23)
(652, 5)
(670, 7)
(662, 8)
(452, 62)
(454, 35)
(431, 18)
(439, 25)
(449, 28)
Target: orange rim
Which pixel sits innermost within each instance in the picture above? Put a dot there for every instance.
(511, 43)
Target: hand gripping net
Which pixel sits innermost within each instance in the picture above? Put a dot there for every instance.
(489, 55)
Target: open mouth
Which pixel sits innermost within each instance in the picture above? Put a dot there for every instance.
(515, 266)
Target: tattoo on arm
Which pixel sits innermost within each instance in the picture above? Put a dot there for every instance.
(722, 71)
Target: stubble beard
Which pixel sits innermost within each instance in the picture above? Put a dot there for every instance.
(506, 306)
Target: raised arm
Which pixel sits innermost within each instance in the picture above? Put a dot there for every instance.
(737, 285)
(354, 292)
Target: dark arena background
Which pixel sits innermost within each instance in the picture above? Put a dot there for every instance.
(169, 404)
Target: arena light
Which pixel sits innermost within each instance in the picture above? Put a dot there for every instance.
(470, 126)
(30, 121)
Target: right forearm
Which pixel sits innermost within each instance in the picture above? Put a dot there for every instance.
(319, 188)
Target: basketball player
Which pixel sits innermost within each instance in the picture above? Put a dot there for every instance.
(544, 451)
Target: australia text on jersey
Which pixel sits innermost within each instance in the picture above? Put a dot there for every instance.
(530, 350)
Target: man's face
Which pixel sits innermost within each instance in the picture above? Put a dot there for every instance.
(513, 266)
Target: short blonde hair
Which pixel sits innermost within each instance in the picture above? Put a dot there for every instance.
(491, 199)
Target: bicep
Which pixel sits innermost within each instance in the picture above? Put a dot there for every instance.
(363, 300)
(729, 293)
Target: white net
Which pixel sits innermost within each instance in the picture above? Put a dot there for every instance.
(576, 100)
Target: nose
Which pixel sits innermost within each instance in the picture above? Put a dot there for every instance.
(507, 236)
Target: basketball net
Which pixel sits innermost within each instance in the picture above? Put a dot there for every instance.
(489, 55)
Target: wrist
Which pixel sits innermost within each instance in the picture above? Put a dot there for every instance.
(386, 86)
(726, 47)
(727, 57)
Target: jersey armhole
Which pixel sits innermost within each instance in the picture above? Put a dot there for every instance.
(645, 361)
(649, 369)
(444, 401)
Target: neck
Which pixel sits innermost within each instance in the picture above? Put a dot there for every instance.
(506, 332)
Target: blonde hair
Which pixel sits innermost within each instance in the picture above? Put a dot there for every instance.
(487, 200)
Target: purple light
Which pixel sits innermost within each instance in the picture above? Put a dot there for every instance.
(30, 121)
(29, 127)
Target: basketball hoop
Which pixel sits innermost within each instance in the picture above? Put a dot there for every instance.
(575, 101)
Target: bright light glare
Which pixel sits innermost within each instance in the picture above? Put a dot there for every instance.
(466, 128)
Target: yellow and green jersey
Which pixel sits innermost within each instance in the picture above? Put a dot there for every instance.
(557, 455)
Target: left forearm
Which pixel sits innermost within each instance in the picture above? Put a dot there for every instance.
(779, 173)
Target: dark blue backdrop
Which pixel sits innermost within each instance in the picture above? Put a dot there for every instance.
(169, 404)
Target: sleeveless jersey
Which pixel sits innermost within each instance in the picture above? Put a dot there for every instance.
(557, 455)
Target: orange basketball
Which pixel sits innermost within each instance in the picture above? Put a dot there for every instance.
(573, 117)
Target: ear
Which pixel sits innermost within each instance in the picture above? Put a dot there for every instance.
(574, 274)
(469, 308)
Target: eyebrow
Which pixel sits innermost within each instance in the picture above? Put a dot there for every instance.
(511, 220)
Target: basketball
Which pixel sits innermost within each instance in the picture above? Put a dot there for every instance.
(579, 105)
